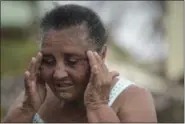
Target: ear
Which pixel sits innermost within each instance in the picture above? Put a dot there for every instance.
(103, 53)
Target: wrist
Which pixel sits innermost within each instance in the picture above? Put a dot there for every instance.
(27, 108)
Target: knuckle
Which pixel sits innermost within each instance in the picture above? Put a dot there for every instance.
(95, 66)
(28, 85)
(95, 69)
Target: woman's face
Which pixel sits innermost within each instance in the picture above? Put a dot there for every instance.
(65, 65)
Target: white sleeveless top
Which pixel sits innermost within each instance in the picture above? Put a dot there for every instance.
(118, 88)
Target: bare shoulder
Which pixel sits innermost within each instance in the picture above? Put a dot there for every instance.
(136, 104)
(135, 92)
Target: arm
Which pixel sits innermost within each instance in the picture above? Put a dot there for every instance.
(30, 101)
(138, 106)
(19, 113)
(103, 113)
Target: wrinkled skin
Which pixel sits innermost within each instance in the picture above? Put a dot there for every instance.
(99, 86)
(64, 59)
(35, 88)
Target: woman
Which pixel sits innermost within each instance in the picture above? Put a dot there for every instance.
(68, 81)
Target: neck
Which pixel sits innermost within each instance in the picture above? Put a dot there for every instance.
(75, 105)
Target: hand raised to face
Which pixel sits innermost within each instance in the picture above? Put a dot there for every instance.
(100, 82)
(35, 89)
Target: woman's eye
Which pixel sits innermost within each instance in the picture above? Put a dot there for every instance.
(72, 61)
(48, 62)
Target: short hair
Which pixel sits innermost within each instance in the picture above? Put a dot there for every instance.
(64, 16)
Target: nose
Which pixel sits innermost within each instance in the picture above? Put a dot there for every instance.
(60, 72)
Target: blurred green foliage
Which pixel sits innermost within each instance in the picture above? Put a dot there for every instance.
(2, 113)
(15, 56)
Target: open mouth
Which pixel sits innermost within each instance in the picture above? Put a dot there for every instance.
(64, 85)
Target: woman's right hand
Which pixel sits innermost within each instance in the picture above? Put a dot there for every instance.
(35, 87)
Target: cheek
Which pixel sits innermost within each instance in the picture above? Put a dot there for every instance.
(46, 73)
(81, 73)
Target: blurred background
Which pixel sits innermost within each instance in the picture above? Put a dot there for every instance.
(145, 46)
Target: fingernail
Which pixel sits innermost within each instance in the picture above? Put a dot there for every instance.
(27, 73)
(96, 53)
(89, 52)
(33, 59)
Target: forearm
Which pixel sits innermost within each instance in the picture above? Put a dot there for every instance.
(102, 114)
(19, 114)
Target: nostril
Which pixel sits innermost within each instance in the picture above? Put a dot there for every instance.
(60, 74)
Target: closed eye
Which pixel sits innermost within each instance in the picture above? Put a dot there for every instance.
(48, 61)
(72, 61)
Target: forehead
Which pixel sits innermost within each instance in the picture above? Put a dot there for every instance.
(72, 39)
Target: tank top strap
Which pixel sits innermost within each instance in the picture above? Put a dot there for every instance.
(121, 85)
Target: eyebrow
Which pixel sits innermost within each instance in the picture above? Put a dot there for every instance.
(69, 53)
(76, 55)
(47, 55)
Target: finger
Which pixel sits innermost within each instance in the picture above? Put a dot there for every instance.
(98, 58)
(100, 61)
(38, 61)
(39, 79)
(94, 75)
(31, 68)
(30, 85)
(95, 69)
(27, 81)
(33, 87)
(114, 74)
(92, 59)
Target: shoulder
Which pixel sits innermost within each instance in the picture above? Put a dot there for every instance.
(136, 104)
(134, 92)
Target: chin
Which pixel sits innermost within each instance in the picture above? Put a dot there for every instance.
(65, 96)
(68, 95)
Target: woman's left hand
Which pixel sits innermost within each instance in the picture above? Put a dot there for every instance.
(100, 82)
